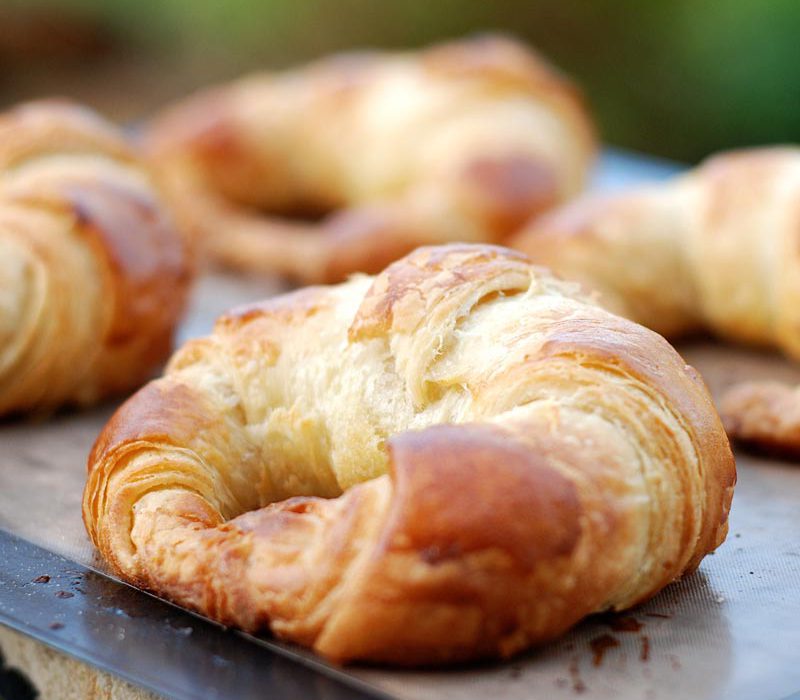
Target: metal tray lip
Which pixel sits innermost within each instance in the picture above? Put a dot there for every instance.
(26, 606)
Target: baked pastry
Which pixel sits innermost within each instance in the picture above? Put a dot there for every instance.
(764, 415)
(455, 459)
(93, 273)
(462, 141)
(715, 249)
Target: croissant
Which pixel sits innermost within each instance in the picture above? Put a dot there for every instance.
(455, 459)
(716, 249)
(460, 142)
(92, 271)
(764, 415)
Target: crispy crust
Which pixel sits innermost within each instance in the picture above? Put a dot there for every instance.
(96, 270)
(484, 135)
(400, 298)
(454, 460)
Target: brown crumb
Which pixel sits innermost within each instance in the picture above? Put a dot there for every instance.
(600, 645)
(645, 653)
(64, 594)
(44, 578)
(575, 674)
(56, 625)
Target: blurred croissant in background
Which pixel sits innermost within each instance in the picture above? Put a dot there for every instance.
(460, 142)
(93, 275)
(717, 249)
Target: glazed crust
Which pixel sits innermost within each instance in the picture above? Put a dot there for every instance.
(459, 142)
(456, 459)
(93, 273)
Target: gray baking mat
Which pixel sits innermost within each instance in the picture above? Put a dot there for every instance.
(730, 631)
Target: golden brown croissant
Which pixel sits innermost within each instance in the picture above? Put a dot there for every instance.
(92, 272)
(455, 459)
(463, 141)
(716, 249)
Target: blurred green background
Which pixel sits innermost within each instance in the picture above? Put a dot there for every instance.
(677, 78)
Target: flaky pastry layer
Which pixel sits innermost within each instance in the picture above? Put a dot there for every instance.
(93, 272)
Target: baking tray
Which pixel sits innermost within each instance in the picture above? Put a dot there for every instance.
(732, 630)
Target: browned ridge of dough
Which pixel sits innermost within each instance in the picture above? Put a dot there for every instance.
(456, 459)
(93, 273)
(463, 141)
(716, 249)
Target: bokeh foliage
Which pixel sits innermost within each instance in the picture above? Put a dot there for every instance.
(678, 78)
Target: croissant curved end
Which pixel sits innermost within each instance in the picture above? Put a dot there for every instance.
(489, 135)
(453, 573)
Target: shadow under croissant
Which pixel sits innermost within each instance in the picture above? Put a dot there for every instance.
(680, 639)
